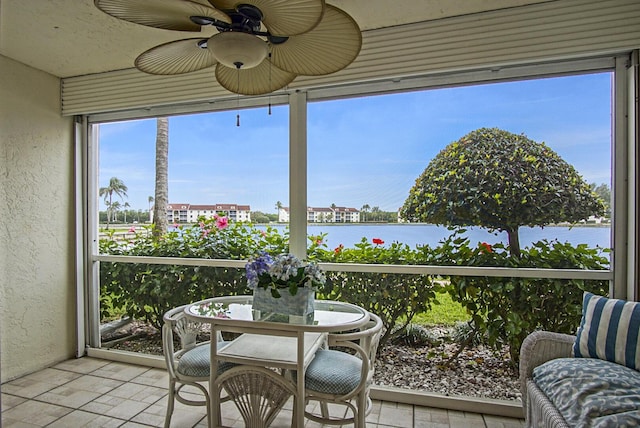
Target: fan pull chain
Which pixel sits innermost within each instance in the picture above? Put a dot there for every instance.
(238, 65)
(270, 83)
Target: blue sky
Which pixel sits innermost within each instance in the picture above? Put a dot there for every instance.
(361, 151)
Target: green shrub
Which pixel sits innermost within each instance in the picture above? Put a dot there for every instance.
(507, 309)
(416, 335)
(393, 297)
(146, 291)
(501, 309)
(464, 334)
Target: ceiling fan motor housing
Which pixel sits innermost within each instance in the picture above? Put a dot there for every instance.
(236, 49)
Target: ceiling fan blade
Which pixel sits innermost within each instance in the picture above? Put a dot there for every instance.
(282, 17)
(166, 14)
(259, 80)
(331, 46)
(182, 56)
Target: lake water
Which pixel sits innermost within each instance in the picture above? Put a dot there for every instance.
(420, 234)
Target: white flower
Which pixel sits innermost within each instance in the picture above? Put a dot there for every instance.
(283, 271)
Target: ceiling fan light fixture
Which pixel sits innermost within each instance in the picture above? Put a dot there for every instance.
(235, 49)
(262, 45)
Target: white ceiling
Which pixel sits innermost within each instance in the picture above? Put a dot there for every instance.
(72, 37)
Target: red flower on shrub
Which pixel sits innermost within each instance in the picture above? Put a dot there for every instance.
(378, 241)
(486, 247)
(338, 249)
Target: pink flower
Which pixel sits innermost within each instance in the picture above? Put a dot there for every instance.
(318, 241)
(175, 225)
(202, 225)
(377, 241)
(132, 229)
(222, 222)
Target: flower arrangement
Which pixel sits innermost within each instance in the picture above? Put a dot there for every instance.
(283, 271)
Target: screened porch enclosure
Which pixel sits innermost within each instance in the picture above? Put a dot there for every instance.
(343, 122)
(50, 298)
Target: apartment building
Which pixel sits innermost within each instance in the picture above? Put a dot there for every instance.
(188, 213)
(324, 215)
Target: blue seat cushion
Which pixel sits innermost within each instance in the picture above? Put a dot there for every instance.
(333, 372)
(195, 362)
(590, 392)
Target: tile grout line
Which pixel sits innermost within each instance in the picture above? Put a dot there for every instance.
(90, 373)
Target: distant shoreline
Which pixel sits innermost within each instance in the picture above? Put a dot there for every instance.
(431, 224)
(413, 234)
(126, 226)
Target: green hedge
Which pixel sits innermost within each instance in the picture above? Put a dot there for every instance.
(503, 309)
(506, 309)
(394, 297)
(146, 291)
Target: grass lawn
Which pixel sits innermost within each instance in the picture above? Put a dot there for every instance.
(447, 312)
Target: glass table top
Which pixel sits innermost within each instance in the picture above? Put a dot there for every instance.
(327, 313)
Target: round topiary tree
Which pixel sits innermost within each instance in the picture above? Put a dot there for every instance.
(498, 180)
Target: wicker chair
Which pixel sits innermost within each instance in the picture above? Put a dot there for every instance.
(258, 393)
(190, 365)
(340, 377)
(538, 348)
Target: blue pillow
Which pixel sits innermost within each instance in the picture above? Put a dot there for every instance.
(609, 330)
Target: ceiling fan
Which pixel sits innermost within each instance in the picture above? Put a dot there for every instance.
(260, 46)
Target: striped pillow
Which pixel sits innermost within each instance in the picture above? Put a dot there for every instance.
(609, 330)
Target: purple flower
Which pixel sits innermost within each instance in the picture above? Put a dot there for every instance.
(282, 271)
(256, 267)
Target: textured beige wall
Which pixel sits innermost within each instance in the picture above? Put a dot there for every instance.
(37, 292)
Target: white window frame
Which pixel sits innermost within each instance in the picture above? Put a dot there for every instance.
(297, 102)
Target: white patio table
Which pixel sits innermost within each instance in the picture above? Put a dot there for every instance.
(271, 340)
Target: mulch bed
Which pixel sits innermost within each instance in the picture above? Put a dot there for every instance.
(476, 372)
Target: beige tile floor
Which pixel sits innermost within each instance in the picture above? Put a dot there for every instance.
(90, 392)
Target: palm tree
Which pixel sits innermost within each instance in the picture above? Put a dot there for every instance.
(108, 205)
(150, 199)
(278, 208)
(126, 205)
(365, 209)
(116, 186)
(115, 207)
(162, 180)
(375, 211)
